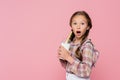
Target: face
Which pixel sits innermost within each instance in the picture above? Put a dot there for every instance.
(79, 25)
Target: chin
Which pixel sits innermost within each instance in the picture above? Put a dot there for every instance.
(78, 37)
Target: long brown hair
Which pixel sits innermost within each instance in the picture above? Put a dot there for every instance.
(83, 13)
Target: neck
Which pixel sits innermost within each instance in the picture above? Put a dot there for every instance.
(77, 40)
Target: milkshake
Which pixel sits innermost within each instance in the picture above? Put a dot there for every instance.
(66, 44)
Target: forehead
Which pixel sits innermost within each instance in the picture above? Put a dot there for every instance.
(79, 18)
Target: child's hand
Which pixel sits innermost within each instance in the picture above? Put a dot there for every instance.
(63, 53)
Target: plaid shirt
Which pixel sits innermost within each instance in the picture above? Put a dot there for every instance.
(80, 68)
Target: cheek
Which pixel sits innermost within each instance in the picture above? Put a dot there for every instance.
(74, 29)
(84, 30)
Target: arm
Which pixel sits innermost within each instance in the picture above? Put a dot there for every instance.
(82, 68)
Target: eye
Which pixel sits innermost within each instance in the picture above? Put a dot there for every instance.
(75, 23)
(82, 23)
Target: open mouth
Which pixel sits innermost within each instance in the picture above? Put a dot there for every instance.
(78, 32)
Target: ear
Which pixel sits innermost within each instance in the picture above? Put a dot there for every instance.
(72, 30)
(88, 28)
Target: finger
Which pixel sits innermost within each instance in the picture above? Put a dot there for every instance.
(60, 57)
(59, 54)
(59, 46)
(59, 50)
(63, 48)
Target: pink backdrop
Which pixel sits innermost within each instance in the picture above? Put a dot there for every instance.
(32, 30)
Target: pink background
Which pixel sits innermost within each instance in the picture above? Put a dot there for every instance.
(32, 30)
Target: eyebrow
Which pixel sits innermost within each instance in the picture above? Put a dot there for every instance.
(76, 21)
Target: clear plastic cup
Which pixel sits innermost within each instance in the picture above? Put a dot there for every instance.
(66, 45)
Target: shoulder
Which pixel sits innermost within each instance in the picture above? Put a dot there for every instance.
(88, 44)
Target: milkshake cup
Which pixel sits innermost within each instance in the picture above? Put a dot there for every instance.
(66, 44)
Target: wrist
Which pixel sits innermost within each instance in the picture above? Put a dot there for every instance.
(70, 59)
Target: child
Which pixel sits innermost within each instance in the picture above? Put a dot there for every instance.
(81, 56)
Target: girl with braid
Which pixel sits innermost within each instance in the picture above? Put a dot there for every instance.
(81, 56)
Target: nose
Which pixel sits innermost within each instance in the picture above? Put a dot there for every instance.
(78, 26)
